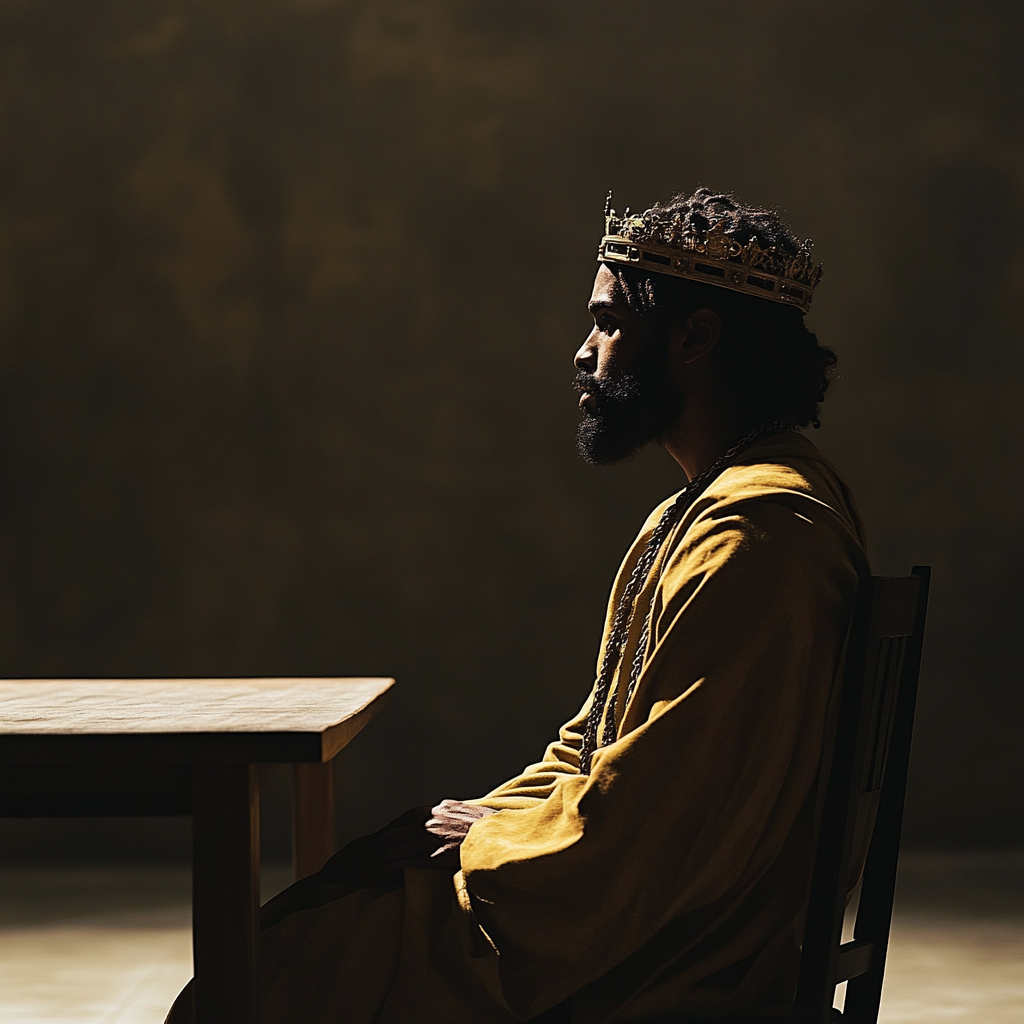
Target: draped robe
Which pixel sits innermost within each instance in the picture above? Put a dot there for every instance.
(672, 880)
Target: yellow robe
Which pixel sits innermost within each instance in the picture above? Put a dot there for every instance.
(672, 879)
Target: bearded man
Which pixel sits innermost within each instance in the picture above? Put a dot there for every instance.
(655, 864)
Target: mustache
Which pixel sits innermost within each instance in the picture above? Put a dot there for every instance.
(584, 381)
(621, 389)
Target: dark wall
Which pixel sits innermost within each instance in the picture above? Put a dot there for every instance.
(289, 297)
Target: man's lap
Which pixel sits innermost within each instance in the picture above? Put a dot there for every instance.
(372, 955)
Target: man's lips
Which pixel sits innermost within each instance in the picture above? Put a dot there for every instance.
(588, 389)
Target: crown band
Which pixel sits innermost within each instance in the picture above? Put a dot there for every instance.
(714, 258)
(663, 259)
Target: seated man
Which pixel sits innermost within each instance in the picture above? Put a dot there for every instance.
(655, 863)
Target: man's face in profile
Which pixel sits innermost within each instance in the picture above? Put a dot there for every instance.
(627, 395)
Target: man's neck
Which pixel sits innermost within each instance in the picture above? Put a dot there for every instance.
(704, 433)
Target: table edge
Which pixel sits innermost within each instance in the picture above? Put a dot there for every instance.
(253, 747)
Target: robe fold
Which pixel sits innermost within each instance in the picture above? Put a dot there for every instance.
(672, 880)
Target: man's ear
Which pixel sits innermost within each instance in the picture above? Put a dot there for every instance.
(698, 337)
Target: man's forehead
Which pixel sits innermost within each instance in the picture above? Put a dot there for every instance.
(606, 291)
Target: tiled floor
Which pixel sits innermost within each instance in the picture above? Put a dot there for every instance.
(112, 946)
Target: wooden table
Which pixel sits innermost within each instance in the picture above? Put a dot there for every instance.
(189, 746)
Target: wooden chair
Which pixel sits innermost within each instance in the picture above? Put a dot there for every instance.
(866, 785)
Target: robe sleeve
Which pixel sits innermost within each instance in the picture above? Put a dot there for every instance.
(716, 756)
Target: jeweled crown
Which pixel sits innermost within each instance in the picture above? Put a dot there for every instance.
(711, 257)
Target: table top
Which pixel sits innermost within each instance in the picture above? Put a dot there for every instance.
(299, 719)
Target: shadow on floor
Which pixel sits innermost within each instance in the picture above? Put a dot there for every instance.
(111, 945)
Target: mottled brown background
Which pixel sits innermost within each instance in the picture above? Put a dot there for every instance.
(289, 294)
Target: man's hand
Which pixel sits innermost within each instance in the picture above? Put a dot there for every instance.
(423, 837)
(451, 822)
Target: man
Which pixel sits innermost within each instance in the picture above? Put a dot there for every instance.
(655, 864)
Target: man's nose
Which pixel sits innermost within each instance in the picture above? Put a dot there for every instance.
(586, 356)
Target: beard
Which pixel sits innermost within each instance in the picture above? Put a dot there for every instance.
(632, 409)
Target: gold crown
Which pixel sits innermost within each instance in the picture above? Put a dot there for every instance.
(712, 257)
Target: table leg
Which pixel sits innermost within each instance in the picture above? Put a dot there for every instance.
(225, 893)
(313, 827)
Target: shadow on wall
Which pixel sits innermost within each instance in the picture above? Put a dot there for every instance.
(289, 299)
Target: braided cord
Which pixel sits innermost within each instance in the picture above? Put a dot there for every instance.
(619, 633)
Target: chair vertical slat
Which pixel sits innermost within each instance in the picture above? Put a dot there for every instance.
(895, 649)
(869, 761)
(874, 915)
(827, 899)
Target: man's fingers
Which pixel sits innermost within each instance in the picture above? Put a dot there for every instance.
(446, 829)
(452, 820)
(457, 810)
(442, 850)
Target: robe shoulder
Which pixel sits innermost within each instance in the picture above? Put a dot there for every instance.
(786, 468)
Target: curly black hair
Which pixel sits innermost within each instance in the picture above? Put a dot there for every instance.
(771, 366)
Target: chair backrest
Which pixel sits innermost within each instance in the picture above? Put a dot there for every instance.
(867, 782)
